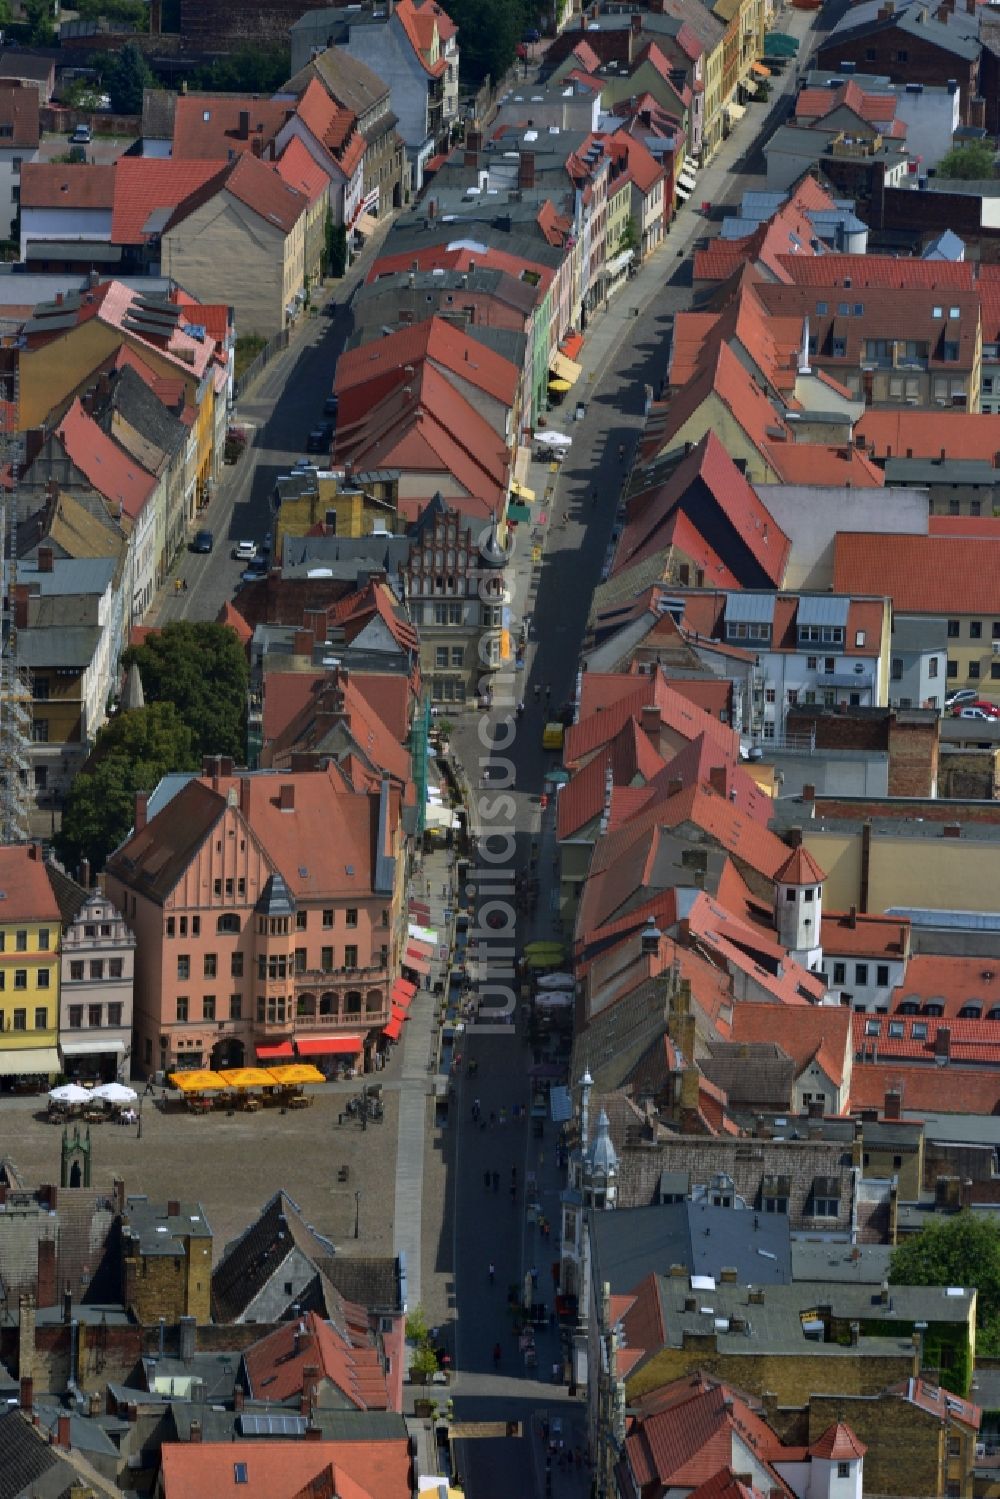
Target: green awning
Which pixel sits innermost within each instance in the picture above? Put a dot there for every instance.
(783, 38)
(518, 512)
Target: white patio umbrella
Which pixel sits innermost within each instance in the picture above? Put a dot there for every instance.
(550, 439)
(115, 1093)
(557, 981)
(69, 1093)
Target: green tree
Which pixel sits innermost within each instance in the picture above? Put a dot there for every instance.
(38, 18)
(963, 1250)
(336, 248)
(251, 70)
(490, 31)
(630, 235)
(132, 753)
(201, 668)
(125, 78)
(972, 162)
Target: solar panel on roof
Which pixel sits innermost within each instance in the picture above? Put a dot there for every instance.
(252, 1425)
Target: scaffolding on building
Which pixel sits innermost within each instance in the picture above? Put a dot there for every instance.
(15, 679)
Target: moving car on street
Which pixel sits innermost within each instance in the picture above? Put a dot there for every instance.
(244, 551)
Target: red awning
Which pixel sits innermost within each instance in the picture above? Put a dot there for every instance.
(398, 1013)
(571, 345)
(402, 994)
(420, 911)
(329, 1046)
(416, 961)
(426, 949)
(275, 1049)
(392, 1030)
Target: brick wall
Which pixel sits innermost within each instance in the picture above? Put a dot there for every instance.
(786, 1376)
(968, 773)
(924, 60)
(913, 757)
(975, 1163)
(905, 1444)
(165, 1285)
(219, 23)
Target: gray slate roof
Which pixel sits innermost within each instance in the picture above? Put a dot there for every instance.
(70, 648)
(69, 575)
(631, 1243)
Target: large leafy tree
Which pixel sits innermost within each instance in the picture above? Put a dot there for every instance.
(489, 31)
(201, 668)
(125, 78)
(974, 161)
(132, 753)
(960, 1250)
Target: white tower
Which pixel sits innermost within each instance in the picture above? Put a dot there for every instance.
(798, 908)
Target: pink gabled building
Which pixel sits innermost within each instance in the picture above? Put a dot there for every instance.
(269, 915)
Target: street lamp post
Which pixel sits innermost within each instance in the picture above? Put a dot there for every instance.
(357, 1213)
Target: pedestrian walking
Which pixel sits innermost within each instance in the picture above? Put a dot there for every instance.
(496, 1181)
(548, 692)
(534, 1277)
(503, 1116)
(557, 1373)
(486, 1180)
(492, 1272)
(497, 1355)
(538, 692)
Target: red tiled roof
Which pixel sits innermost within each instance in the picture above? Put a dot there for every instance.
(255, 183)
(436, 339)
(926, 1090)
(985, 527)
(864, 936)
(145, 185)
(67, 185)
(27, 893)
(595, 727)
(950, 981)
(715, 696)
(807, 1033)
(19, 111)
(921, 574)
(458, 257)
(755, 952)
(745, 518)
(838, 1444)
(912, 1037)
(345, 1355)
(333, 125)
(631, 759)
(297, 168)
(231, 616)
(420, 19)
(800, 868)
(820, 463)
(868, 271)
(728, 381)
(930, 434)
(725, 1485)
(688, 1441)
(209, 126)
(817, 103)
(112, 471)
(277, 1469)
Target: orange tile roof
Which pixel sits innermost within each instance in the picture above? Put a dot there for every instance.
(985, 527)
(113, 472)
(440, 341)
(420, 19)
(800, 868)
(952, 1089)
(930, 434)
(686, 1442)
(874, 109)
(864, 271)
(231, 616)
(921, 574)
(753, 546)
(913, 1038)
(345, 1355)
(952, 982)
(333, 125)
(594, 729)
(19, 112)
(458, 257)
(255, 183)
(864, 936)
(726, 379)
(278, 1469)
(753, 950)
(145, 186)
(297, 168)
(939, 1402)
(807, 1033)
(631, 759)
(209, 127)
(27, 893)
(838, 1444)
(820, 463)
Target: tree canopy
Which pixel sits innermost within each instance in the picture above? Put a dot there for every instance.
(489, 31)
(131, 754)
(251, 70)
(961, 1250)
(201, 668)
(972, 162)
(125, 76)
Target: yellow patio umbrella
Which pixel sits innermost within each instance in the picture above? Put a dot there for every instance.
(295, 1074)
(198, 1082)
(247, 1077)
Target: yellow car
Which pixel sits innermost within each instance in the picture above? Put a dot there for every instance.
(552, 736)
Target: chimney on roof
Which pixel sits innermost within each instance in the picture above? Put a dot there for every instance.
(303, 643)
(286, 797)
(45, 559)
(245, 795)
(313, 1433)
(195, 1432)
(852, 918)
(718, 779)
(432, 208)
(244, 130)
(650, 722)
(636, 23)
(27, 1397)
(526, 169)
(793, 837)
(141, 805)
(893, 1104)
(942, 1042)
(62, 1436)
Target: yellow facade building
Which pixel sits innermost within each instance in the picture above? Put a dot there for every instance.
(30, 927)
